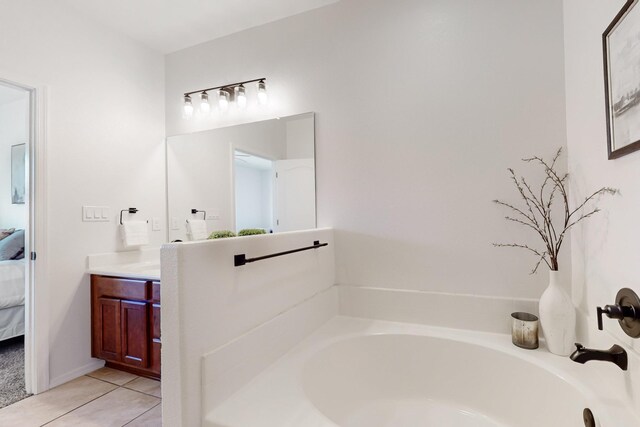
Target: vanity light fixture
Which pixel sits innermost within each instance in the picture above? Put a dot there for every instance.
(188, 106)
(226, 94)
(223, 99)
(205, 107)
(263, 98)
(241, 96)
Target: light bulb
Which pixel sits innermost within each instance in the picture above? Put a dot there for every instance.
(188, 106)
(241, 96)
(223, 100)
(205, 107)
(263, 98)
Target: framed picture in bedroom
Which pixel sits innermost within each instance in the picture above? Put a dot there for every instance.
(18, 177)
(621, 48)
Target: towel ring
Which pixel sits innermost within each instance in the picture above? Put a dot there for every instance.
(195, 211)
(130, 211)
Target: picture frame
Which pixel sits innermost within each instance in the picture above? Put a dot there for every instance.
(621, 51)
(18, 174)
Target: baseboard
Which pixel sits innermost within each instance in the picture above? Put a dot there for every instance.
(78, 372)
(141, 372)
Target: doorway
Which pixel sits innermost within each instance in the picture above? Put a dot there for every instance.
(15, 129)
(21, 129)
(253, 192)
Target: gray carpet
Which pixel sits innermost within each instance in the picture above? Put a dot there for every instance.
(12, 371)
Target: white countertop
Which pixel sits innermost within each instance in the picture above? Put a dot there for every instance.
(141, 270)
(141, 264)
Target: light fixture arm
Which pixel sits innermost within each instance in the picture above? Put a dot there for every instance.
(228, 86)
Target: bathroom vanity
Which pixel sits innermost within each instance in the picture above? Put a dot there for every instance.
(125, 323)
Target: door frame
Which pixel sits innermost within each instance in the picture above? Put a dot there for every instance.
(234, 148)
(37, 289)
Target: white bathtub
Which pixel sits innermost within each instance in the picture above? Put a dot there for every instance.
(366, 373)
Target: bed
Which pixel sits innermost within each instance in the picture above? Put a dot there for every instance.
(12, 286)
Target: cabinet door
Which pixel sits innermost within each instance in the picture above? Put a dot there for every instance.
(135, 334)
(107, 329)
(156, 343)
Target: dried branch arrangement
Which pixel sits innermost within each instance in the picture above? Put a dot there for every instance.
(536, 213)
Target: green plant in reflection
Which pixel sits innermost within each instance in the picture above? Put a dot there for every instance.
(223, 234)
(251, 231)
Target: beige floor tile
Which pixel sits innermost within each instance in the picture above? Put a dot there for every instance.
(40, 409)
(145, 385)
(114, 409)
(113, 376)
(152, 418)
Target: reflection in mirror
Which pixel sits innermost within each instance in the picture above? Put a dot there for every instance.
(254, 191)
(257, 175)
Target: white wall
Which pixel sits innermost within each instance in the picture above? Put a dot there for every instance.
(606, 248)
(208, 304)
(199, 177)
(421, 106)
(14, 129)
(105, 147)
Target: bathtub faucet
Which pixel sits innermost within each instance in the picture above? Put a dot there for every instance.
(615, 354)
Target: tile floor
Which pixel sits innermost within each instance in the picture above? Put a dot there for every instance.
(103, 398)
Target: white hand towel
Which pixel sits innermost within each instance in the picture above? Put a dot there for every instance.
(197, 229)
(135, 233)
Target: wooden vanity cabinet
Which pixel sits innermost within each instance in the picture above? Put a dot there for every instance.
(154, 322)
(125, 324)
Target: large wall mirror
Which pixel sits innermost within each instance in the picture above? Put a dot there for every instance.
(257, 175)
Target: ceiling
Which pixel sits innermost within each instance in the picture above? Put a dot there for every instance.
(251, 161)
(170, 25)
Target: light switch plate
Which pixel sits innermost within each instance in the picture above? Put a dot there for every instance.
(175, 224)
(155, 224)
(87, 213)
(213, 214)
(96, 214)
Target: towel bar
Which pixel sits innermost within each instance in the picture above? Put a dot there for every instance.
(241, 259)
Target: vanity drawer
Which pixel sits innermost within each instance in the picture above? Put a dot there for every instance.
(119, 288)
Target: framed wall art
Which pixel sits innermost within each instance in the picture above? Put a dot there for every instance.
(18, 177)
(621, 48)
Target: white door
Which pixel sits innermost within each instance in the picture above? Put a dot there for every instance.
(294, 204)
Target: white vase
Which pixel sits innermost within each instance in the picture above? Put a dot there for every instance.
(557, 317)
